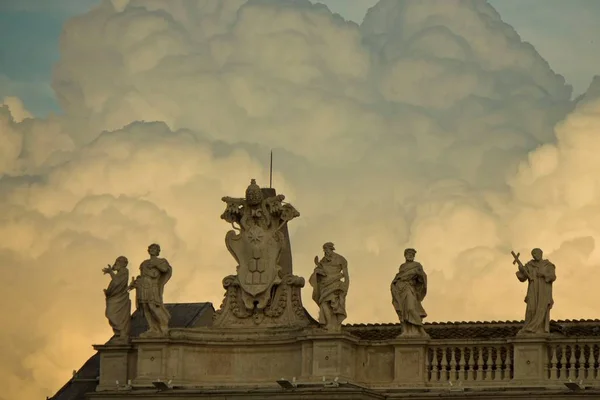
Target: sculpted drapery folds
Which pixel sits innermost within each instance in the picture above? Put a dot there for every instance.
(409, 288)
(540, 274)
(330, 282)
(155, 272)
(258, 245)
(118, 304)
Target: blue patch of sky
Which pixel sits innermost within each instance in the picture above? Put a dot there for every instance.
(28, 50)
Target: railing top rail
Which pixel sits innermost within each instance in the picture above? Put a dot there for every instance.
(575, 340)
(470, 342)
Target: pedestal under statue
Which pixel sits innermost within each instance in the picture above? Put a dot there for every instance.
(262, 292)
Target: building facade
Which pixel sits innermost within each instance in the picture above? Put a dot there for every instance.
(365, 361)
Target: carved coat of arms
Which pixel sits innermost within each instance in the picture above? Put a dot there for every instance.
(258, 243)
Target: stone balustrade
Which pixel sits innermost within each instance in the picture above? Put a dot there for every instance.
(212, 358)
(576, 360)
(490, 362)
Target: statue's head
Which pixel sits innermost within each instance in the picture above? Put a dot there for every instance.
(154, 249)
(121, 262)
(409, 254)
(328, 248)
(537, 254)
(254, 195)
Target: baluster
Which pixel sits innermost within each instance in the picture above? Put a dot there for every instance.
(445, 365)
(428, 365)
(435, 369)
(500, 373)
(481, 375)
(504, 372)
(473, 363)
(562, 371)
(493, 366)
(548, 365)
(581, 363)
(572, 362)
(452, 373)
(467, 361)
(553, 362)
(508, 363)
(589, 362)
(594, 362)
(461, 374)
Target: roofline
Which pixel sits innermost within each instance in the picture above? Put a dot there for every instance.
(467, 323)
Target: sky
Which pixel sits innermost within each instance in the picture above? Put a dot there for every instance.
(30, 31)
(463, 129)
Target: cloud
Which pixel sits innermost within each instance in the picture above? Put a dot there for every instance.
(36, 94)
(17, 109)
(415, 129)
(353, 10)
(542, 23)
(556, 197)
(11, 141)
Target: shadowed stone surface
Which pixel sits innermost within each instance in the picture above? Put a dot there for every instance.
(200, 314)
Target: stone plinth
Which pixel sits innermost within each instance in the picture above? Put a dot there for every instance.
(531, 359)
(212, 357)
(329, 355)
(410, 361)
(117, 366)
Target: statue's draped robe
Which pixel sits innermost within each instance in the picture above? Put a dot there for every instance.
(118, 305)
(539, 295)
(409, 288)
(150, 287)
(328, 287)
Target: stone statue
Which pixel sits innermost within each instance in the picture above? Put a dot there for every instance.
(118, 305)
(155, 272)
(259, 290)
(409, 288)
(540, 274)
(330, 282)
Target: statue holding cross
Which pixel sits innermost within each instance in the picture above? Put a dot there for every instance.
(540, 274)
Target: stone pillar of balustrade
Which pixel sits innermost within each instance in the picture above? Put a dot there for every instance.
(530, 360)
(329, 355)
(117, 366)
(410, 361)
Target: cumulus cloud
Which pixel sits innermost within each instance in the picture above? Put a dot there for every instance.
(17, 108)
(414, 129)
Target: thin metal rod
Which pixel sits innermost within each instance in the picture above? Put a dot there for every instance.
(271, 171)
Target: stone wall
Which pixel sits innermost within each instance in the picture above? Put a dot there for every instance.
(209, 359)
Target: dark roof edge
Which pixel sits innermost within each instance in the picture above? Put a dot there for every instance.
(468, 323)
(199, 313)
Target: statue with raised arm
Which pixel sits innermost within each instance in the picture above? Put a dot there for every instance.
(409, 288)
(539, 274)
(330, 282)
(118, 304)
(261, 292)
(155, 272)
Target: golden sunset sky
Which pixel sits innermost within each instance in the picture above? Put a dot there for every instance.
(431, 125)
